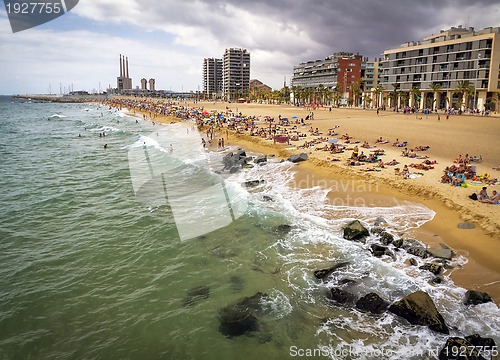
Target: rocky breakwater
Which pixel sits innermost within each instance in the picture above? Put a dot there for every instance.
(418, 307)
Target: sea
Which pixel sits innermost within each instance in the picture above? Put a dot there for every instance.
(124, 239)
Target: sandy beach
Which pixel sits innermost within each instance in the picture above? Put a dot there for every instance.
(445, 138)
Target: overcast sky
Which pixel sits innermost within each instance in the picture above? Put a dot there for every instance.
(167, 40)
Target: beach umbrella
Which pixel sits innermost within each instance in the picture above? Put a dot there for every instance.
(333, 141)
(294, 117)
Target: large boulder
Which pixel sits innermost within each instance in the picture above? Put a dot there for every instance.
(340, 296)
(397, 243)
(419, 309)
(298, 157)
(260, 159)
(234, 162)
(473, 297)
(324, 273)
(379, 221)
(415, 248)
(241, 318)
(355, 231)
(379, 250)
(476, 340)
(373, 303)
(459, 348)
(436, 269)
(283, 229)
(441, 253)
(241, 154)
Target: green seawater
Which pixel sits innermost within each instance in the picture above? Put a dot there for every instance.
(88, 271)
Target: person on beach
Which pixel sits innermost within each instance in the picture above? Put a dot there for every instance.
(483, 194)
(495, 198)
(355, 152)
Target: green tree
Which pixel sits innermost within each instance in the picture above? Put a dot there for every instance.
(377, 91)
(394, 98)
(415, 94)
(404, 96)
(464, 89)
(319, 93)
(436, 88)
(367, 99)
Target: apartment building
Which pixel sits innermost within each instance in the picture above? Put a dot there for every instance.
(442, 65)
(212, 78)
(236, 74)
(340, 70)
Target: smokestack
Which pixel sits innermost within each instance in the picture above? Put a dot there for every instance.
(121, 66)
(127, 68)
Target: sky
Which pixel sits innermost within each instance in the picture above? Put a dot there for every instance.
(168, 40)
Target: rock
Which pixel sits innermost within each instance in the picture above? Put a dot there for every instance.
(283, 229)
(379, 221)
(267, 198)
(298, 157)
(253, 183)
(459, 348)
(377, 230)
(433, 268)
(323, 273)
(413, 262)
(196, 294)
(397, 243)
(341, 296)
(228, 158)
(440, 253)
(372, 303)
(241, 318)
(378, 250)
(348, 282)
(386, 238)
(247, 166)
(477, 340)
(241, 154)
(417, 250)
(355, 231)
(260, 159)
(473, 297)
(234, 170)
(419, 309)
(437, 280)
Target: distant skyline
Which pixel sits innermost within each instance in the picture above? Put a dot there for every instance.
(168, 40)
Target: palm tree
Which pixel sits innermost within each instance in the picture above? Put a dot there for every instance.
(285, 94)
(391, 96)
(377, 91)
(464, 89)
(394, 98)
(415, 93)
(307, 92)
(337, 94)
(367, 99)
(435, 87)
(295, 92)
(320, 90)
(404, 96)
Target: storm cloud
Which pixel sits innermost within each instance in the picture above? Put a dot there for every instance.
(278, 33)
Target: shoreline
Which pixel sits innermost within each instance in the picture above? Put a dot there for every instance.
(482, 271)
(479, 245)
